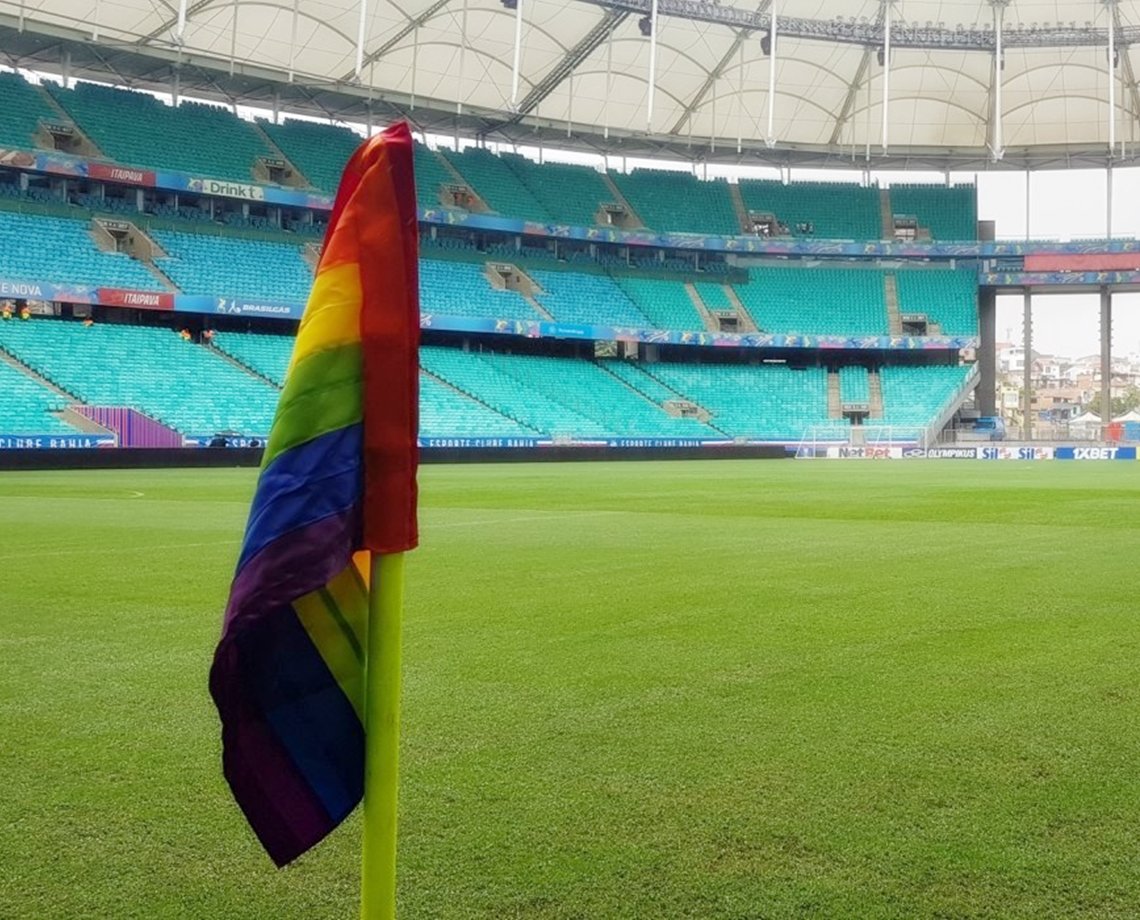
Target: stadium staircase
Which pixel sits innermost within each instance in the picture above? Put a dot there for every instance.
(35, 405)
(886, 214)
(891, 295)
(876, 387)
(711, 323)
(740, 208)
(834, 402)
(241, 365)
(635, 220)
(744, 318)
(312, 255)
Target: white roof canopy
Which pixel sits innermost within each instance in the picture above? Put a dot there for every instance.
(829, 94)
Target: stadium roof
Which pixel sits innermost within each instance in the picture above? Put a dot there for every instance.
(583, 77)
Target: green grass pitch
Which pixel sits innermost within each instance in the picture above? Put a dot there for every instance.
(662, 690)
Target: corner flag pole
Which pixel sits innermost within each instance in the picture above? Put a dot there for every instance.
(382, 738)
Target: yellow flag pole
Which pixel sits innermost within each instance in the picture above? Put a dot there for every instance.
(382, 738)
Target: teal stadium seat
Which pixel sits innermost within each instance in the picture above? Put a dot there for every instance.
(854, 385)
(60, 250)
(139, 130)
(26, 405)
(914, 396)
(183, 385)
(570, 193)
(665, 303)
(497, 184)
(679, 202)
(715, 297)
(203, 263)
(816, 301)
(947, 297)
(267, 355)
(576, 297)
(462, 289)
(447, 413)
(948, 213)
(431, 176)
(839, 211)
(24, 107)
(319, 151)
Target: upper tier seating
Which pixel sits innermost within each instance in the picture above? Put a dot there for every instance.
(714, 296)
(497, 184)
(431, 174)
(267, 355)
(948, 213)
(586, 388)
(60, 250)
(447, 413)
(181, 384)
(202, 263)
(462, 289)
(947, 297)
(571, 194)
(26, 405)
(319, 151)
(915, 396)
(678, 201)
(572, 297)
(24, 108)
(838, 211)
(854, 385)
(766, 402)
(139, 130)
(816, 301)
(665, 303)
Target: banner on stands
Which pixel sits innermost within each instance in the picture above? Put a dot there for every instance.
(55, 441)
(1095, 453)
(865, 453)
(1015, 453)
(479, 442)
(140, 300)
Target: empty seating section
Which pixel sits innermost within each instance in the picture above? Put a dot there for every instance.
(462, 289)
(678, 201)
(571, 194)
(26, 405)
(203, 263)
(181, 384)
(816, 301)
(715, 297)
(497, 184)
(61, 250)
(501, 391)
(915, 396)
(573, 297)
(447, 413)
(666, 303)
(949, 298)
(766, 402)
(139, 130)
(585, 388)
(23, 109)
(642, 381)
(318, 151)
(431, 174)
(267, 355)
(854, 385)
(948, 213)
(828, 210)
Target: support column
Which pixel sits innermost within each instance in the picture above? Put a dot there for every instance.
(986, 394)
(1027, 380)
(1105, 357)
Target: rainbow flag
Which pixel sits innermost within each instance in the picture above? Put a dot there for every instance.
(337, 482)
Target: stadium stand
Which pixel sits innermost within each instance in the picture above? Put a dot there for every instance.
(462, 289)
(183, 385)
(266, 355)
(203, 263)
(831, 210)
(28, 407)
(319, 151)
(497, 184)
(570, 194)
(767, 402)
(445, 412)
(64, 253)
(678, 201)
(24, 108)
(574, 297)
(816, 301)
(139, 130)
(949, 213)
(854, 385)
(714, 296)
(664, 303)
(914, 396)
(949, 298)
(431, 175)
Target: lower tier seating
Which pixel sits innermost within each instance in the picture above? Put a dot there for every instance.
(27, 406)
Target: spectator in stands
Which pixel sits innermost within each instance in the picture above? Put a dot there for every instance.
(25, 313)
(89, 321)
(6, 310)
(208, 336)
(185, 335)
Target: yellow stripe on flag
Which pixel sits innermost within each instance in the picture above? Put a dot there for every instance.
(332, 316)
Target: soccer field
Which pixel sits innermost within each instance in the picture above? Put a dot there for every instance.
(634, 690)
